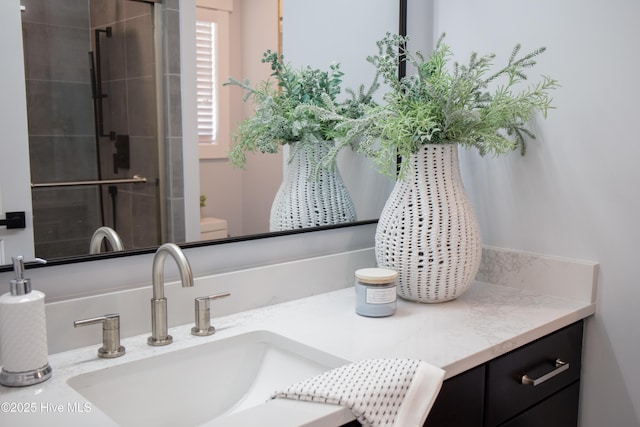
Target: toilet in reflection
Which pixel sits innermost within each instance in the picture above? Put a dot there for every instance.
(213, 228)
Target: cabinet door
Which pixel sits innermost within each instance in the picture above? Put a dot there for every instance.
(460, 402)
(507, 396)
(559, 410)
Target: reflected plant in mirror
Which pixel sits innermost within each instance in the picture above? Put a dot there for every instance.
(312, 193)
(280, 117)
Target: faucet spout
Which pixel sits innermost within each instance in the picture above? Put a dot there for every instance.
(159, 325)
(105, 233)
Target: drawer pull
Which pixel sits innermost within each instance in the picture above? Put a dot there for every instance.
(561, 366)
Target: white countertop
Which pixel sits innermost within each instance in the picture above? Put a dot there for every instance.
(485, 322)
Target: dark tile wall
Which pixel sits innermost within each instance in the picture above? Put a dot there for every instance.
(130, 109)
(60, 119)
(58, 35)
(172, 123)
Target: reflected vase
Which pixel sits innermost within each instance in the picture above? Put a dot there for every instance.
(428, 231)
(303, 200)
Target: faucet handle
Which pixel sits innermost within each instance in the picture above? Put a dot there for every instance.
(110, 334)
(203, 315)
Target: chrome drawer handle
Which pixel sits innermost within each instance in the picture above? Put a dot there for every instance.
(561, 366)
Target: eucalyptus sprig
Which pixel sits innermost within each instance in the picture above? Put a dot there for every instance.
(445, 103)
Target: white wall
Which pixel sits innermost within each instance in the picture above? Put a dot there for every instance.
(575, 193)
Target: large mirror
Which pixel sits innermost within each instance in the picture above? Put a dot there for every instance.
(112, 105)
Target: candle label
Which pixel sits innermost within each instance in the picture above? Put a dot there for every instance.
(381, 296)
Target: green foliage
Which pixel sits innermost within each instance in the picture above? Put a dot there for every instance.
(280, 114)
(446, 103)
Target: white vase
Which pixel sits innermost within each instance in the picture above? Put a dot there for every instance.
(304, 201)
(427, 230)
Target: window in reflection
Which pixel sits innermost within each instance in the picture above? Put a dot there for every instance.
(212, 57)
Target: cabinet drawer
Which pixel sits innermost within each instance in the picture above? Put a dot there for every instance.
(559, 410)
(507, 396)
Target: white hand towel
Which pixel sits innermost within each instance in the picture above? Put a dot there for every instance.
(379, 392)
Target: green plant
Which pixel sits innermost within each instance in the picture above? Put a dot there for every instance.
(203, 201)
(445, 103)
(279, 114)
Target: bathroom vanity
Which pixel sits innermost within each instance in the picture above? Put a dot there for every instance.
(485, 340)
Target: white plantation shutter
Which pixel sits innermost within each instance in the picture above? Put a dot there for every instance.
(212, 69)
(206, 81)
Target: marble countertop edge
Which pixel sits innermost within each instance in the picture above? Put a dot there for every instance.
(476, 359)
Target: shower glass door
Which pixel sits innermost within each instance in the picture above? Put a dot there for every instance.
(92, 122)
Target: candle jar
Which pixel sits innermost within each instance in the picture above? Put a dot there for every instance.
(376, 292)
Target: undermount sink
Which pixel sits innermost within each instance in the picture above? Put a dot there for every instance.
(196, 385)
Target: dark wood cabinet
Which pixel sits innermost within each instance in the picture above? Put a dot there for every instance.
(493, 395)
(460, 402)
(553, 362)
(559, 410)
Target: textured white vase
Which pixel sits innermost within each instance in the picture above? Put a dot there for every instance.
(303, 201)
(427, 230)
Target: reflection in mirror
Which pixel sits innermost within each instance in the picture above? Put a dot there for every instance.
(91, 106)
(312, 192)
(131, 142)
(241, 199)
(334, 36)
(108, 235)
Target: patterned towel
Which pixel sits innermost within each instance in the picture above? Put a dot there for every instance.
(379, 392)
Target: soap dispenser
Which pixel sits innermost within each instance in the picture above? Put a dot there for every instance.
(23, 333)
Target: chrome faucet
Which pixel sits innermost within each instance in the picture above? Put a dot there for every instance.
(105, 233)
(159, 332)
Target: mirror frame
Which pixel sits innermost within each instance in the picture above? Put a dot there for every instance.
(402, 30)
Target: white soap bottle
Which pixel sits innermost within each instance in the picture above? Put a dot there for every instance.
(23, 333)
